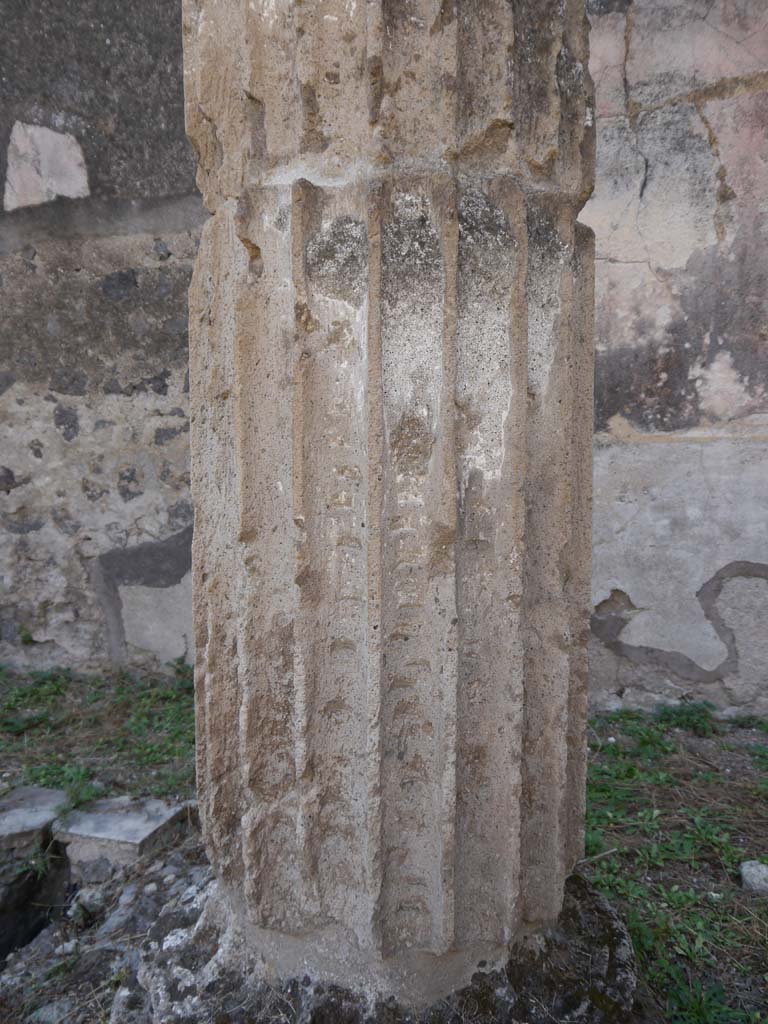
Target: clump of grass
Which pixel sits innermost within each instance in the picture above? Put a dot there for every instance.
(666, 840)
(74, 779)
(695, 716)
(93, 736)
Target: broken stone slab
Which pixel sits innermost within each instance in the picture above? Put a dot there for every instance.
(115, 832)
(32, 875)
(26, 814)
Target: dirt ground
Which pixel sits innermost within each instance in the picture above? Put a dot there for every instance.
(677, 801)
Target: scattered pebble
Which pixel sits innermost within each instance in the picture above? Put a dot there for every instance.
(754, 876)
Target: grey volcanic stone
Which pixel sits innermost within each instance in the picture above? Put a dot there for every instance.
(754, 876)
(108, 74)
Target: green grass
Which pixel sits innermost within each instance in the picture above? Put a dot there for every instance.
(696, 717)
(677, 800)
(95, 736)
(668, 825)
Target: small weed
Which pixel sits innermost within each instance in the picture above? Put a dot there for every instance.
(37, 864)
(184, 675)
(759, 755)
(17, 725)
(62, 967)
(750, 722)
(25, 636)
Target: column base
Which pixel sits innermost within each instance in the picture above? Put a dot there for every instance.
(582, 971)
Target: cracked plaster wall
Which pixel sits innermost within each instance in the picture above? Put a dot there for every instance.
(93, 412)
(97, 236)
(680, 213)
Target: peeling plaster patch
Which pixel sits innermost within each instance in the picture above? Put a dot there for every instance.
(678, 191)
(160, 619)
(146, 602)
(42, 165)
(678, 47)
(666, 372)
(742, 604)
(722, 394)
(733, 601)
(668, 518)
(656, 188)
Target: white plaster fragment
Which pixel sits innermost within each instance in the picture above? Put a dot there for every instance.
(722, 394)
(43, 164)
(159, 619)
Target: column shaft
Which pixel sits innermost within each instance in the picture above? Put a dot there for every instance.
(391, 381)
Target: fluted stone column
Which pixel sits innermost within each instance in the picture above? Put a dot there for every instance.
(391, 374)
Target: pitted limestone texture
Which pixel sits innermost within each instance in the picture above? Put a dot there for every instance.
(391, 388)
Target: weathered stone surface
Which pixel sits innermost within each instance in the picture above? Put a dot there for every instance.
(112, 832)
(92, 944)
(94, 434)
(26, 815)
(391, 388)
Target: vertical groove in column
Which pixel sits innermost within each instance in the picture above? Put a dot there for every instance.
(579, 560)
(331, 284)
(490, 461)
(418, 599)
(301, 200)
(200, 323)
(485, 113)
(266, 649)
(374, 552)
(442, 567)
(214, 425)
(546, 605)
